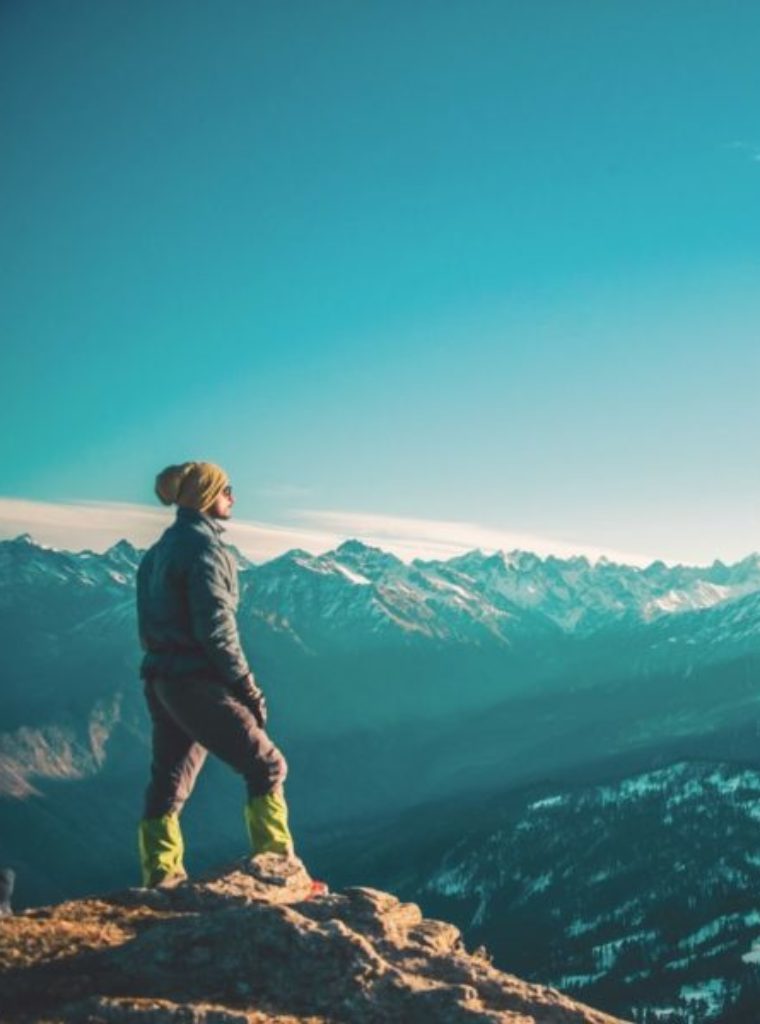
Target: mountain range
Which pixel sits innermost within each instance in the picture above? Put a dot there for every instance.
(357, 642)
(409, 697)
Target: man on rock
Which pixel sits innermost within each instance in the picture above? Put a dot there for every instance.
(201, 693)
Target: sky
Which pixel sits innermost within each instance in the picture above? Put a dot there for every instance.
(441, 275)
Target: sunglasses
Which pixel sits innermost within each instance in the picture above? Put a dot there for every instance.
(227, 491)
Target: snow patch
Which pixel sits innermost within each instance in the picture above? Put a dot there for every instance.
(579, 927)
(548, 801)
(352, 576)
(571, 981)
(460, 592)
(711, 992)
(701, 595)
(753, 956)
(606, 954)
(540, 884)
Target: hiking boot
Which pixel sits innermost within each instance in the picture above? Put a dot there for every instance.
(279, 869)
(170, 881)
(285, 871)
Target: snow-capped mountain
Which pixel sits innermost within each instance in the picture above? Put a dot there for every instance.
(582, 597)
(388, 682)
(473, 597)
(61, 588)
(357, 636)
(358, 594)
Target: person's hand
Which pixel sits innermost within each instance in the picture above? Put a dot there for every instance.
(249, 694)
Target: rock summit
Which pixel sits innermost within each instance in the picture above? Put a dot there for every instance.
(246, 945)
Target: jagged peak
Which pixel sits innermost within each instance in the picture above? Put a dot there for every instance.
(520, 559)
(24, 540)
(292, 555)
(122, 546)
(356, 552)
(353, 545)
(476, 556)
(123, 553)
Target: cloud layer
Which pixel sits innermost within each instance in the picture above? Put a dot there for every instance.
(440, 538)
(98, 525)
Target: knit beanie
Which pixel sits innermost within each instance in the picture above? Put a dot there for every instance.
(191, 485)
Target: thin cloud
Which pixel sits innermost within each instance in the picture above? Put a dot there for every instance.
(75, 526)
(97, 526)
(409, 537)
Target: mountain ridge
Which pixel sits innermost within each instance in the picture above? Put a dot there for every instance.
(575, 594)
(392, 647)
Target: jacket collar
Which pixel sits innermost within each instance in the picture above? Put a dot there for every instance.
(191, 515)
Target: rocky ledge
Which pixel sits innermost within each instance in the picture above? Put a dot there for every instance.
(247, 946)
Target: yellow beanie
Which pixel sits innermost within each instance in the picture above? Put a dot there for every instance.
(191, 485)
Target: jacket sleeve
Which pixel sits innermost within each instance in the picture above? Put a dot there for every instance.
(212, 613)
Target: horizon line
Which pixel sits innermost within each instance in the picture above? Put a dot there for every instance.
(261, 543)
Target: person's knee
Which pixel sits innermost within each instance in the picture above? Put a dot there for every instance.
(267, 775)
(277, 771)
(280, 771)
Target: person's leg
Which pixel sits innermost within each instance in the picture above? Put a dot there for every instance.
(209, 713)
(177, 759)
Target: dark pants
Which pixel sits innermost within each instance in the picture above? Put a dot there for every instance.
(191, 717)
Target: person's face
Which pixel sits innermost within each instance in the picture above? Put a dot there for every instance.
(222, 507)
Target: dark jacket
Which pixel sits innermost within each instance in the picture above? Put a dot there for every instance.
(187, 596)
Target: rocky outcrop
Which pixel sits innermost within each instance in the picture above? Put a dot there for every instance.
(60, 752)
(247, 946)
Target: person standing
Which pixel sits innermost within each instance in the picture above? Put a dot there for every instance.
(201, 693)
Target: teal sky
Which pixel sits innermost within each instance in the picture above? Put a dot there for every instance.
(482, 263)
